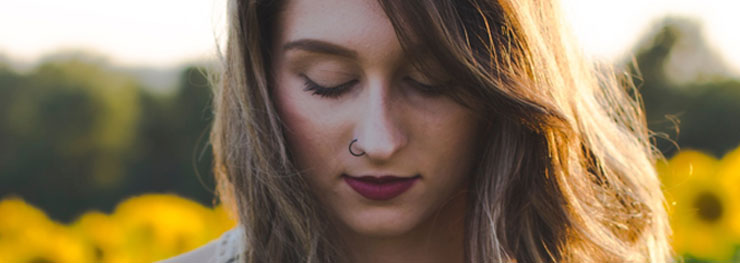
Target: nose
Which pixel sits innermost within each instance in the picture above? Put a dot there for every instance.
(379, 129)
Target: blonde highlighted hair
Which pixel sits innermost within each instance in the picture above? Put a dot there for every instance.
(566, 172)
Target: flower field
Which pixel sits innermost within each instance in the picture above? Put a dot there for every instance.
(141, 229)
(702, 194)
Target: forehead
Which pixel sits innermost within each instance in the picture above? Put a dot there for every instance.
(359, 25)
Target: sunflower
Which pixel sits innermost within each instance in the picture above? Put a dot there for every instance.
(698, 205)
(28, 235)
(729, 176)
(158, 226)
(102, 233)
(223, 219)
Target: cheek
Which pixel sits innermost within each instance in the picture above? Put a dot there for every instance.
(450, 142)
(311, 132)
(301, 133)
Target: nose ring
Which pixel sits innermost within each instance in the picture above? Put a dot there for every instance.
(353, 153)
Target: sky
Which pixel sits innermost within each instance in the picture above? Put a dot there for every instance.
(609, 29)
(131, 32)
(164, 33)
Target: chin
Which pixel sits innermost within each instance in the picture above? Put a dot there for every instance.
(381, 223)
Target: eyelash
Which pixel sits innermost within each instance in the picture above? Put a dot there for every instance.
(336, 91)
(326, 92)
(429, 90)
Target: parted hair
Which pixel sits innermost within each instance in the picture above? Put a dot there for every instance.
(566, 168)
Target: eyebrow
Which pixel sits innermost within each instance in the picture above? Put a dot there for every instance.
(318, 46)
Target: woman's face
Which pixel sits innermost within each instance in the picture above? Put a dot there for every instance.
(341, 74)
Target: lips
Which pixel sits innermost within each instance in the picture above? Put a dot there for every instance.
(380, 188)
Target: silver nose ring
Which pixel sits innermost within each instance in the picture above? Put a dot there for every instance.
(353, 153)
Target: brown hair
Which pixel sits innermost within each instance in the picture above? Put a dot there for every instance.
(566, 173)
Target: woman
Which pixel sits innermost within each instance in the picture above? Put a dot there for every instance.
(426, 131)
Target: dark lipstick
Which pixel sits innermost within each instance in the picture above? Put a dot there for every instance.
(380, 188)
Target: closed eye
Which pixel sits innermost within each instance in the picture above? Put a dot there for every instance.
(326, 92)
(428, 89)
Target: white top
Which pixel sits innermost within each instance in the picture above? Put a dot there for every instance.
(228, 248)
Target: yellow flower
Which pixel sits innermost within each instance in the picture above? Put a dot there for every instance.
(142, 229)
(19, 218)
(158, 226)
(698, 205)
(27, 235)
(729, 176)
(223, 219)
(102, 233)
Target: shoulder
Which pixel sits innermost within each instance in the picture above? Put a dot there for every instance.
(226, 248)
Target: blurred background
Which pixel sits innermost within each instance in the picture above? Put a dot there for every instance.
(104, 121)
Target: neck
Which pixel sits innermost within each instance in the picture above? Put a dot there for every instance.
(439, 239)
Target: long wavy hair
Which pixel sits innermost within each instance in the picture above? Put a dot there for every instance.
(566, 172)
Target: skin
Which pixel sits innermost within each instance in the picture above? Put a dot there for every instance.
(403, 130)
